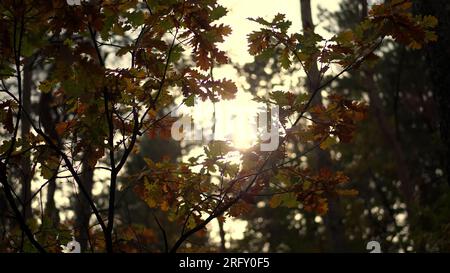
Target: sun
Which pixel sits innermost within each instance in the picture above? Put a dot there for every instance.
(236, 121)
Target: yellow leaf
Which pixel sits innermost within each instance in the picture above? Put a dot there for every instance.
(415, 45)
(275, 201)
(429, 21)
(164, 206)
(306, 185)
(346, 36)
(330, 141)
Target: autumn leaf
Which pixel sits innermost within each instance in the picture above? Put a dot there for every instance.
(7, 120)
(275, 201)
(258, 41)
(63, 127)
(227, 89)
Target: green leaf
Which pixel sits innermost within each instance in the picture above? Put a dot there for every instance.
(190, 101)
(27, 48)
(302, 98)
(72, 88)
(280, 98)
(6, 71)
(266, 54)
(47, 85)
(107, 25)
(122, 51)
(218, 12)
(136, 18)
(345, 37)
(278, 18)
(5, 146)
(260, 20)
(327, 143)
(285, 59)
(217, 148)
(306, 185)
(290, 200)
(191, 223)
(176, 54)
(281, 23)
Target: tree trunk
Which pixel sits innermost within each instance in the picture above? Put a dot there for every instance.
(26, 176)
(364, 9)
(438, 56)
(388, 132)
(332, 219)
(4, 223)
(82, 208)
(223, 248)
(49, 123)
